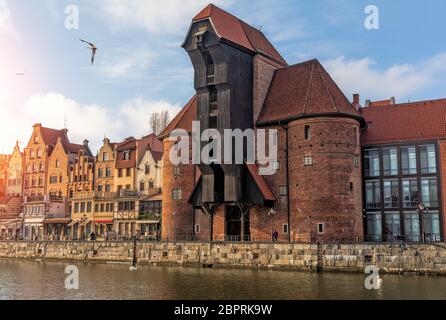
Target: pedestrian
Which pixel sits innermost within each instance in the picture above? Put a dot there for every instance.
(276, 235)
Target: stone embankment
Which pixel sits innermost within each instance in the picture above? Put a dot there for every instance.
(389, 258)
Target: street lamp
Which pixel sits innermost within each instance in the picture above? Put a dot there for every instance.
(422, 209)
(82, 221)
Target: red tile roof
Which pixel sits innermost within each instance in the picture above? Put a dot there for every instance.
(261, 182)
(232, 29)
(382, 103)
(50, 136)
(416, 121)
(183, 120)
(304, 89)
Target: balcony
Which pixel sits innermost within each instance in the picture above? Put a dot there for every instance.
(47, 198)
(94, 195)
(129, 194)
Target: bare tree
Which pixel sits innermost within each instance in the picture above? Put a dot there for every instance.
(159, 121)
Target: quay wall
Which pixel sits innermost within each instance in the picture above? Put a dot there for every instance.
(389, 258)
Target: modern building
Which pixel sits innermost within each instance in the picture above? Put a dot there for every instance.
(342, 172)
(14, 185)
(404, 170)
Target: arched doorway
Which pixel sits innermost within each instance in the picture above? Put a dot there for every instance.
(234, 224)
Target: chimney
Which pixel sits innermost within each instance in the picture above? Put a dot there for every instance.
(367, 103)
(356, 101)
(392, 101)
(86, 142)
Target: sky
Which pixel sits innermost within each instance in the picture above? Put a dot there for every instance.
(140, 67)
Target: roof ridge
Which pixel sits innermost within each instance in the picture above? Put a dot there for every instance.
(307, 94)
(326, 87)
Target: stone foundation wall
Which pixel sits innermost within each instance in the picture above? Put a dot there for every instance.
(390, 258)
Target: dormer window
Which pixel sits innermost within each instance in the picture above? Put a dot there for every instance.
(200, 37)
(126, 156)
(36, 139)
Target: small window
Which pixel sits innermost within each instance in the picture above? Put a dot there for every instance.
(308, 160)
(276, 165)
(176, 194)
(126, 155)
(285, 228)
(128, 172)
(100, 188)
(351, 187)
(57, 164)
(307, 132)
(356, 161)
(283, 191)
(197, 228)
(147, 169)
(105, 156)
(176, 171)
(321, 228)
(141, 186)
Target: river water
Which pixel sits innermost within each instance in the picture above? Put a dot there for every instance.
(37, 280)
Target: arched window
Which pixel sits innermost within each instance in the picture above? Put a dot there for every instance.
(307, 132)
(42, 167)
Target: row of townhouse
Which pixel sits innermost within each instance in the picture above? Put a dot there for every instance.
(57, 190)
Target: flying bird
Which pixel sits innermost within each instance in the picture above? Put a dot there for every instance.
(93, 49)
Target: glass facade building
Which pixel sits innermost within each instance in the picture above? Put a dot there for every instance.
(402, 193)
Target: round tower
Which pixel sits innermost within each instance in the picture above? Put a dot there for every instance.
(325, 179)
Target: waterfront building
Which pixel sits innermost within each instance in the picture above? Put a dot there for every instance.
(149, 178)
(343, 172)
(105, 167)
(10, 220)
(404, 170)
(45, 217)
(15, 173)
(133, 207)
(4, 164)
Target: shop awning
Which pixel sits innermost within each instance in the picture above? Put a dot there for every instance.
(104, 221)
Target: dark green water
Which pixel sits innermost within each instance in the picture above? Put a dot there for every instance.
(36, 280)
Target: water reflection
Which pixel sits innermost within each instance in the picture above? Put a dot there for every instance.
(37, 280)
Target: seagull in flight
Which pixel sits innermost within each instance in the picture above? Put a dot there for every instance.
(93, 49)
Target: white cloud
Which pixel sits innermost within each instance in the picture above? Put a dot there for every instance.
(127, 63)
(6, 22)
(163, 17)
(400, 80)
(91, 122)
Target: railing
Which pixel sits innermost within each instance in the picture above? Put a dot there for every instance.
(96, 195)
(129, 193)
(428, 238)
(50, 198)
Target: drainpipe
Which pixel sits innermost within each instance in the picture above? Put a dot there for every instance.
(285, 127)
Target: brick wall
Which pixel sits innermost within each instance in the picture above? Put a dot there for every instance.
(320, 193)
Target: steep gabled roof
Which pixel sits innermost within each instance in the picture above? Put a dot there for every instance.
(232, 29)
(304, 89)
(50, 136)
(183, 120)
(415, 121)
